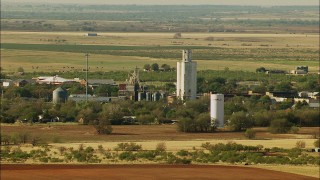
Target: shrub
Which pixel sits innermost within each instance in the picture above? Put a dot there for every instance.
(177, 35)
(129, 156)
(5, 139)
(56, 160)
(161, 147)
(62, 150)
(294, 129)
(250, 134)
(316, 143)
(294, 152)
(128, 147)
(149, 155)
(101, 149)
(182, 153)
(300, 144)
(44, 159)
(35, 140)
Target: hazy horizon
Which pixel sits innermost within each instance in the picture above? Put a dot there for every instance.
(184, 2)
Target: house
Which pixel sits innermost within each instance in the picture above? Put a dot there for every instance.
(281, 96)
(7, 82)
(314, 103)
(300, 70)
(97, 82)
(56, 80)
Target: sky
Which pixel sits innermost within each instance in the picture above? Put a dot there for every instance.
(186, 2)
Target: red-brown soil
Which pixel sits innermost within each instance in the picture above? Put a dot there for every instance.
(140, 172)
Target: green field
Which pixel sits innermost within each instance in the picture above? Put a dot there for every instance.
(274, 51)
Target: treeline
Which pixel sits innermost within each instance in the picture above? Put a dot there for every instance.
(151, 18)
(240, 114)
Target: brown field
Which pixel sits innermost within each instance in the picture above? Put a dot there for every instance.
(141, 172)
(87, 133)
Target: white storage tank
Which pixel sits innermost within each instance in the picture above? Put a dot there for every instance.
(217, 110)
(59, 95)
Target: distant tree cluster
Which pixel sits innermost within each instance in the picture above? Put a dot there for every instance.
(156, 67)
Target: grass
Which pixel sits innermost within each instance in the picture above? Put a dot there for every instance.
(124, 51)
(55, 61)
(312, 171)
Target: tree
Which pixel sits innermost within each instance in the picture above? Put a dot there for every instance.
(165, 67)
(203, 122)
(240, 121)
(186, 125)
(177, 35)
(147, 67)
(283, 86)
(280, 125)
(87, 115)
(103, 125)
(250, 134)
(261, 70)
(262, 118)
(155, 67)
(114, 112)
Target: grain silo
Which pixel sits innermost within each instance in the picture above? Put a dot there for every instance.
(148, 96)
(156, 96)
(186, 77)
(141, 96)
(59, 95)
(217, 110)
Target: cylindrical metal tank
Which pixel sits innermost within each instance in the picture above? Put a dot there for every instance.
(148, 96)
(141, 96)
(59, 95)
(156, 96)
(217, 110)
(163, 95)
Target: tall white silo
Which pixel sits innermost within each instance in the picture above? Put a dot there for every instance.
(217, 110)
(186, 77)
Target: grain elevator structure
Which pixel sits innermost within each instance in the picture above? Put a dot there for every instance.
(186, 77)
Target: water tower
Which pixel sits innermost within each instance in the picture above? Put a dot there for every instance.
(217, 110)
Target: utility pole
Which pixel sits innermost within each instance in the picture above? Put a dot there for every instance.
(87, 58)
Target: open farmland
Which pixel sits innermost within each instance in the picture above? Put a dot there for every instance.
(51, 51)
(72, 136)
(83, 133)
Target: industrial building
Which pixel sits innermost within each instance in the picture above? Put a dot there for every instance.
(217, 110)
(186, 77)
